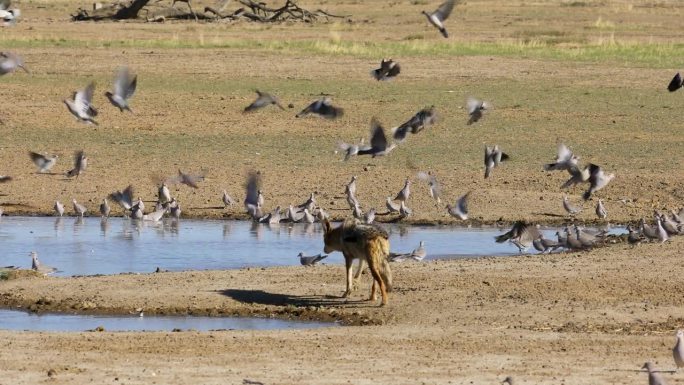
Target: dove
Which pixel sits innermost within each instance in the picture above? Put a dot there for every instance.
(404, 210)
(460, 209)
(310, 203)
(293, 214)
(521, 235)
(597, 180)
(81, 105)
(565, 159)
(369, 217)
(433, 186)
(654, 377)
(405, 192)
(227, 199)
(437, 17)
(163, 194)
(577, 175)
(308, 217)
(80, 164)
(678, 350)
(350, 188)
(378, 142)
(601, 211)
(154, 216)
(263, 99)
(252, 194)
(419, 253)
(123, 198)
(493, 156)
(79, 209)
(476, 109)
(508, 380)
(569, 208)
(5, 178)
(322, 107)
(175, 209)
(388, 70)
(124, 88)
(37, 266)
(9, 16)
(186, 179)
(660, 231)
(312, 260)
(9, 62)
(43, 162)
(391, 206)
(104, 208)
(59, 208)
(633, 238)
(648, 231)
(422, 119)
(675, 84)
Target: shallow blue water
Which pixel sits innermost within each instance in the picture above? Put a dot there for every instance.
(19, 320)
(89, 246)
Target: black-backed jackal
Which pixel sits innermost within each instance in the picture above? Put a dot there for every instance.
(368, 243)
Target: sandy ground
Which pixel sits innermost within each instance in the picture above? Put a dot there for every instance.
(574, 318)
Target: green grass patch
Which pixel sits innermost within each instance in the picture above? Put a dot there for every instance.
(554, 47)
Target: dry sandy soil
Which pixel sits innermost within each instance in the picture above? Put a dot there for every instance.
(589, 73)
(574, 318)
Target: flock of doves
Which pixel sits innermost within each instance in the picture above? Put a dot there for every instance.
(522, 235)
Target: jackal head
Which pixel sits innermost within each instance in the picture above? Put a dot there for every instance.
(331, 237)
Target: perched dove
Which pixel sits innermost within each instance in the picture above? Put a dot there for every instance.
(104, 208)
(391, 206)
(601, 211)
(312, 260)
(163, 194)
(405, 192)
(79, 209)
(419, 253)
(59, 208)
(227, 199)
(37, 266)
(654, 377)
(678, 350)
(569, 208)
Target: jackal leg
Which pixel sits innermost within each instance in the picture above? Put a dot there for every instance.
(359, 269)
(348, 262)
(377, 280)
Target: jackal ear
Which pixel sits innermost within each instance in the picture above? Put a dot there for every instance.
(326, 225)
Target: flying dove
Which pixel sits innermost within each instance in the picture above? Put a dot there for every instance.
(186, 179)
(433, 186)
(9, 62)
(81, 105)
(521, 235)
(565, 159)
(388, 70)
(123, 198)
(460, 209)
(493, 156)
(124, 88)
(322, 107)
(437, 17)
(422, 119)
(43, 162)
(675, 84)
(80, 164)
(263, 99)
(597, 180)
(378, 142)
(476, 109)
